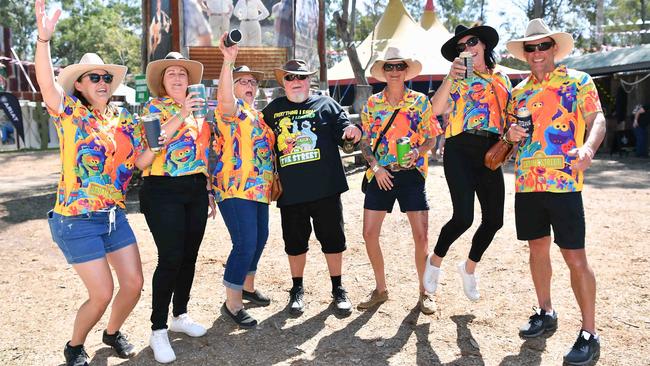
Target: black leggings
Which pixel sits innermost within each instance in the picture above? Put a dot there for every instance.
(176, 210)
(466, 174)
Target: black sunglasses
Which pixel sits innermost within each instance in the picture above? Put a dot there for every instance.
(460, 47)
(544, 46)
(399, 67)
(292, 77)
(94, 78)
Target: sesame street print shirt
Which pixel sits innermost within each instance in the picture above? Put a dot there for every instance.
(414, 120)
(478, 102)
(187, 149)
(558, 106)
(244, 150)
(97, 157)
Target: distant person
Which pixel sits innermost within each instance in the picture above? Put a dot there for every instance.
(568, 126)
(641, 121)
(282, 23)
(309, 130)
(250, 13)
(160, 23)
(219, 13)
(100, 144)
(195, 27)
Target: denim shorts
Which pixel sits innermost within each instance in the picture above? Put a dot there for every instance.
(90, 236)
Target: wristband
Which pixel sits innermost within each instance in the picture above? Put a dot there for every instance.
(375, 168)
(38, 38)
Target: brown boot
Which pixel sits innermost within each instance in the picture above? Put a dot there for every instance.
(376, 298)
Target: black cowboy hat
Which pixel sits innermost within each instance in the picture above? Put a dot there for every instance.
(486, 34)
(295, 66)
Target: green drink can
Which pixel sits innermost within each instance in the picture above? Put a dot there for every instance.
(403, 147)
(202, 111)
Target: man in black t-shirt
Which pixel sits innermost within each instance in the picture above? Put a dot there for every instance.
(641, 121)
(308, 131)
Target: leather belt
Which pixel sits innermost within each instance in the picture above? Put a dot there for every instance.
(483, 133)
(394, 167)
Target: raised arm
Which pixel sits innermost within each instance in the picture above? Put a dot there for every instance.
(225, 93)
(440, 100)
(51, 91)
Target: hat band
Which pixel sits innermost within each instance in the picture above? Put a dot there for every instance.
(537, 34)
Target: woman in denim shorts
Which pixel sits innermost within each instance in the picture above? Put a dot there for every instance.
(99, 146)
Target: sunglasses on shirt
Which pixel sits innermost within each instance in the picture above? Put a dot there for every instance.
(544, 46)
(292, 77)
(94, 78)
(460, 47)
(399, 67)
(244, 82)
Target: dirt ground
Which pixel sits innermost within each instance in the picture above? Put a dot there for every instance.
(39, 292)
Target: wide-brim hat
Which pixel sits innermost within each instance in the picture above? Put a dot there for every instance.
(89, 62)
(156, 69)
(239, 71)
(485, 33)
(535, 30)
(295, 66)
(395, 54)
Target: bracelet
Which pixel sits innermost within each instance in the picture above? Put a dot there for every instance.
(38, 38)
(375, 168)
(505, 138)
(448, 77)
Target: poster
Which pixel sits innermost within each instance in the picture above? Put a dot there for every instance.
(306, 32)
(159, 28)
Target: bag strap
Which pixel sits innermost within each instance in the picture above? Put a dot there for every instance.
(383, 132)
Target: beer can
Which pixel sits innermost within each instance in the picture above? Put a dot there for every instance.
(525, 120)
(234, 37)
(202, 111)
(467, 61)
(151, 124)
(348, 146)
(403, 147)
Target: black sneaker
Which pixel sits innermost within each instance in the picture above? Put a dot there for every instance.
(75, 356)
(538, 324)
(341, 300)
(242, 318)
(119, 343)
(296, 301)
(256, 297)
(584, 351)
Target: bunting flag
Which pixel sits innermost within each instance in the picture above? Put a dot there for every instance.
(11, 107)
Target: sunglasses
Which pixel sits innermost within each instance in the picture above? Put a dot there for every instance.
(460, 47)
(292, 77)
(244, 82)
(544, 46)
(399, 67)
(94, 78)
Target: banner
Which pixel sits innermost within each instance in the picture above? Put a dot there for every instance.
(11, 107)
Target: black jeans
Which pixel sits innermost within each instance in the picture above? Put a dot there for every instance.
(176, 210)
(466, 174)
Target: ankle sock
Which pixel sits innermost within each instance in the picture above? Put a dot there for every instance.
(336, 282)
(297, 282)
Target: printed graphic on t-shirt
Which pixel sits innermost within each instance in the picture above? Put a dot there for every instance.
(296, 138)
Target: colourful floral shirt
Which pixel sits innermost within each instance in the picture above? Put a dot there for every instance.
(244, 149)
(478, 102)
(187, 150)
(97, 157)
(558, 106)
(414, 120)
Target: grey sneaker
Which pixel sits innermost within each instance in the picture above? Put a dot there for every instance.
(538, 324)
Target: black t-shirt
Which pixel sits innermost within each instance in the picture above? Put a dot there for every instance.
(307, 138)
(644, 118)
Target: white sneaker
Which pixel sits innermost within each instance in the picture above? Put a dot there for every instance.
(184, 324)
(162, 350)
(431, 276)
(470, 283)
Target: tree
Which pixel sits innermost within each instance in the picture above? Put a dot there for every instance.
(22, 22)
(345, 28)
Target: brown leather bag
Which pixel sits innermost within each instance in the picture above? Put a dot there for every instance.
(276, 187)
(498, 154)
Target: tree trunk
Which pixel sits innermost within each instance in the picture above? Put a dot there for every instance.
(538, 9)
(321, 45)
(344, 29)
(599, 23)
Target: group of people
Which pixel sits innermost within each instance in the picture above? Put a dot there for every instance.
(295, 139)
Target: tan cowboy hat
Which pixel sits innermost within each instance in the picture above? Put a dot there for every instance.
(535, 30)
(242, 70)
(89, 62)
(156, 69)
(295, 66)
(394, 54)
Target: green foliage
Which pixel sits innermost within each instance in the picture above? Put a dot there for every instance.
(455, 12)
(22, 22)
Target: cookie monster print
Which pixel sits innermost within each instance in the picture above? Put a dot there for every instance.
(181, 157)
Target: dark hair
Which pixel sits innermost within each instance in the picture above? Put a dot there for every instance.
(77, 94)
(489, 57)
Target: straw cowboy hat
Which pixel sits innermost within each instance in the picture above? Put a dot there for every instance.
(242, 70)
(295, 66)
(486, 34)
(156, 69)
(395, 54)
(89, 62)
(535, 30)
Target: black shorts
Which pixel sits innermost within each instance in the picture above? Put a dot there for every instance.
(537, 212)
(408, 190)
(327, 215)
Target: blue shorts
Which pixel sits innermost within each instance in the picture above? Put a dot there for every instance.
(408, 190)
(90, 236)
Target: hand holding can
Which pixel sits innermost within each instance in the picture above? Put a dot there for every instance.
(468, 63)
(201, 110)
(233, 38)
(403, 148)
(151, 124)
